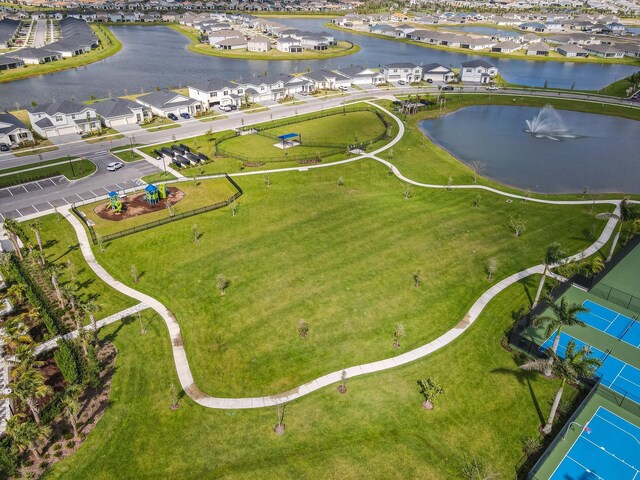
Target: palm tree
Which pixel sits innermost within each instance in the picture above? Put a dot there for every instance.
(576, 364)
(564, 314)
(17, 291)
(36, 225)
(29, 388)
(27, 435)
(71, 406)
(91, 308)
(13, 230)
(15, 333)
(554, 255)
(53, 269)
(627, 213)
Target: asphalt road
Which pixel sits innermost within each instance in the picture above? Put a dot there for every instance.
(40, 33)
(43, 195)
(17, 202)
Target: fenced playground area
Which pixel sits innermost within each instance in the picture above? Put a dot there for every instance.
(602, 439)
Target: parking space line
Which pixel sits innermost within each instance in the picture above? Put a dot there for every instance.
(23, 216)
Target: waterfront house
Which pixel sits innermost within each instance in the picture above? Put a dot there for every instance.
(477, 71)
(8, 31)
(506, 47)
(538, 48)
(9, 63)
(605, 51)
(216, 91)
(236, 43)
(435, 72)
(572, 51)
(12, 131)
(362, 76)
(289, 45)
(259, 43)
(68, 117)
(164, 102)
(35, 56)
(326, 79)
(116, 112)
(407, 72)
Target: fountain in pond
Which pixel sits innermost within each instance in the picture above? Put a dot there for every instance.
(548, 124)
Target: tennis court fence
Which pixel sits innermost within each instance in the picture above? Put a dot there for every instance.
(613, 295)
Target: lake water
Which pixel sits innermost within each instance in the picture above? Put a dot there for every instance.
(157, 57)
(604, 157)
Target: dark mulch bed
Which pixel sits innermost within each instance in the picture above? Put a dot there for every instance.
(135, 205)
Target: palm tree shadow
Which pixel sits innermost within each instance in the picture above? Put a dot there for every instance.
(524, 377)
(112, 336)
(529, 285)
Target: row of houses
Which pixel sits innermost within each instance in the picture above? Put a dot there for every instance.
(9, 29)
(76, 38)
(70, 117)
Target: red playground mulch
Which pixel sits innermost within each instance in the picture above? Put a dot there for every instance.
(134, 205)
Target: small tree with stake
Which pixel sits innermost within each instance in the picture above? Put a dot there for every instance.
(429, 389)
(222, 283)
(342, 388)
(280, 426)
(398, 333)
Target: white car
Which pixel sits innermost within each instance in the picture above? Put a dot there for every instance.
(113, 166)
(344, 88)
(225, 108)
(401, 82)
(492, 87)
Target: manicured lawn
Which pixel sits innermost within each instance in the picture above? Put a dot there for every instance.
(109, 45)
(200, 195)
(127, 155)
(61, 247)
(158, 177)
(159, 123)
(106, 134)
(377, 430)
(340, 258)
(80, 168)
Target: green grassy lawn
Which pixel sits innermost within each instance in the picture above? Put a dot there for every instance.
(158, 177)
(109, 45)
(377, 430)
(200, 195)
(80, 169)
(106, 135)
(343, 48)
(159, 123)
(43, 147)
(619, 88)
(342, 259)
(127, 155)
(61, 246)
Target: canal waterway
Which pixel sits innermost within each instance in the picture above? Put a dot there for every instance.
(156, 56)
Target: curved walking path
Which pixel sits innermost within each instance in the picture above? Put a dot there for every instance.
(179, 354)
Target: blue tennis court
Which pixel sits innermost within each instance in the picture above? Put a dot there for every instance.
(611, 322)
(608, 448)
(613, 373)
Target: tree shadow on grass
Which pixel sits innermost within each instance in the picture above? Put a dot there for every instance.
(70, 248)
(524, 377)
(110, 337)
(529, 285)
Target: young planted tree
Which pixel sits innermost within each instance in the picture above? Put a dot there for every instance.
(91, 308)
(342, 388)
(429, 389)
(28, 388)
(398, 333)
(478, 168)
(576, 364)
(627, 213)
(340, 182)
(71, 406)
(303, 329)
(13, 231)
(26, 435)
(417, 279)
(564, 314)
(518, 225)
(36, 226)
(553, 255)
(492, 268)
(280, 426)
(53, 270)
(222, 283)
(175, 404)
(406, 191)
(134, 274)
(194, 231)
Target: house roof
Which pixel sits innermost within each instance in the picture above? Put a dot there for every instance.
(232, 41)
(400, 65)
(213, 85)
(434, 66)
(259, 39)
(115, 107)
(162, 99)
(477, 63)
(9, 123)
(354, 71)
(66, 107)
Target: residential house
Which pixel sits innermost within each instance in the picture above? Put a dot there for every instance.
(35, 56)
(477, 71)
(327, 80)
(362, 75)
(259, 43)
(533, 27)
(407, 72)
(116, 112)
(434, 72)
(12, 131)
(220, 35)
(538, 48)
(289, 45)
(506, 47)
(9, 63)
(572, 51)
(8, 31)
(215, 91)
(68, 117)
(164, 102)
(232, 44)
(605, 51)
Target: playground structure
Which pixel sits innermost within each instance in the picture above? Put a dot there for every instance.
(114, 202)
(154, 194)
(288, 142)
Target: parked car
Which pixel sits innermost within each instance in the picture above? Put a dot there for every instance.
(172, 116)
(113, 166)
(4, 147)
(185, 115)
(233, 107)
(225, 108)
(447, 88)
(492, 87)
(401, 82)
(344, 88)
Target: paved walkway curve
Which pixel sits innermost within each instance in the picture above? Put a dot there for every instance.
(179, 354)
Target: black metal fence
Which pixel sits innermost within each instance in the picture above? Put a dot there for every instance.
(613, 295)
(163, 221)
